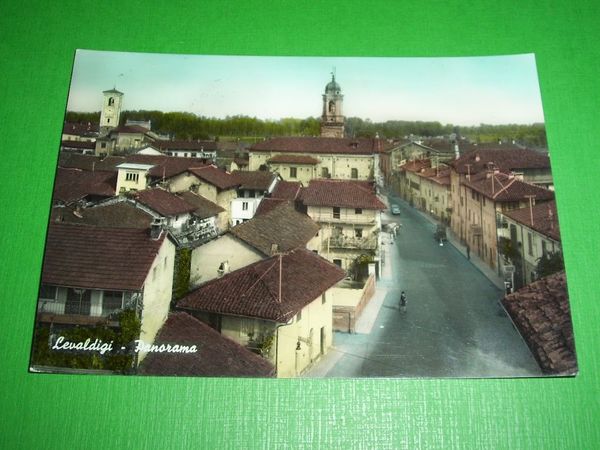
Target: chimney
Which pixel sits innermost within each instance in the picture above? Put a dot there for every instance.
(223, 269)
(456, 151)
(274, 249)
(156, 229)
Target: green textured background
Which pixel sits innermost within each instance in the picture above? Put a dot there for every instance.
(37, 40)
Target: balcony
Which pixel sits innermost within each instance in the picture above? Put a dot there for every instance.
(74, 313)
(347, 242)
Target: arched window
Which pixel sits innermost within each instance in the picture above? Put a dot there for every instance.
(111, 101)
(332, 107)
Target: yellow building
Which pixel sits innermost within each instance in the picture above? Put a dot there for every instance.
(307, 158)
(348, 214)
(93, 273)
(132, 177)
(278, 307)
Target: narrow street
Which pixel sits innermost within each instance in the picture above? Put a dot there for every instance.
(452, 327)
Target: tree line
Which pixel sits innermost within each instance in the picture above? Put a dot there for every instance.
(183, 125)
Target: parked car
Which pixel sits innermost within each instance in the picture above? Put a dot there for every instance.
(395, 210)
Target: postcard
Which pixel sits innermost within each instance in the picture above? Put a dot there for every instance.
(237, 216)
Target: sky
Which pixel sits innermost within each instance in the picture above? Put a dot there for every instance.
(458, 90)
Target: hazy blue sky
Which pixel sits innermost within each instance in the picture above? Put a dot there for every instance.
(463, 91)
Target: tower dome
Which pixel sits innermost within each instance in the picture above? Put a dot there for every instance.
(332, 87)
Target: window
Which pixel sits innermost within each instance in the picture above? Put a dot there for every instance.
(323, 299)
(193, 155)
(336, 212)
(154, 273)
(293, 172)
(324, 172)
(530, 244)
(358, 211)
(299, 316)
(244, 206)
(107, 120)
(165, 262)
(338, 262)
(544, 248)
(353, 173)
(111, 101)
(48, 292)
(358, 232)
(111, 301)
(103, 145)
(131, 176)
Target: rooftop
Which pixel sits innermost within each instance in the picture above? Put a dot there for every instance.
(541, 313)
(89, 257)
(72, 185)
(340, 193)
(163, 202)
(288, 190)
(134, 166)
(115, 215)
(506, 188)
(204, 207)
(294, 159)
(257, 179)
(505, 159)
(282, 226)
(545, 218)
(216, 355)
(215, 176)
(322, 145)
(253, 291)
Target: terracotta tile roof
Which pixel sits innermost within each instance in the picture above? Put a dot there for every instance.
(163, 202)
(116, 215)
(288, 190)
(322, 145)
(186, 145)
(217, 177)
(89, 162)
(98, 258)
(545, 218)
(282, 226)
(340, 193)
(81, 129)
(268, 204)
(204, 207)
(217, 355)
(439, 176)
(416, 165)
(256, 179)
(541, 313)
(504, 188)
(253, 291)
(129, 129)
(505, 159)
(294, 159)
(166, 166)
(87, 145)
(72, 185)
(241, 162)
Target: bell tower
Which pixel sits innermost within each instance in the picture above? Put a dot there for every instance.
(111, 111)
(332, 119)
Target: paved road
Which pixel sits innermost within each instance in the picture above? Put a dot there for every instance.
(453, 326)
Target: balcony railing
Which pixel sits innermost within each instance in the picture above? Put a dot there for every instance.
(364, 243)
(364, 219)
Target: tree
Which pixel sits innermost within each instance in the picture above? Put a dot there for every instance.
(549, 264)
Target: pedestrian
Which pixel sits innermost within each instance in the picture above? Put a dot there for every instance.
(468, 252)
(403, 301)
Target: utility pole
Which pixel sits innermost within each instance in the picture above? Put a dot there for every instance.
(530, 197)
